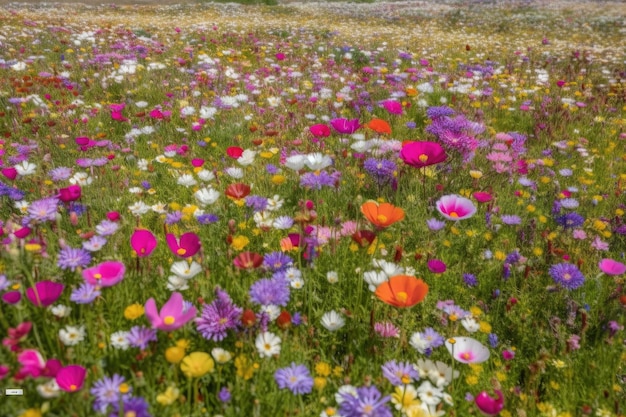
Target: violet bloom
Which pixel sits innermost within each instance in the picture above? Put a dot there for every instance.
(85, 294)
(173, 315)
(296, 378)
(511, 219)
(72, 258)
(454, 207)
(436, 266)
(317, 180)
(386, 329)
(567, 275)
(43, 210)
(345, 126)
(106, 391)
(141, 336)
(188, 245)
(60, 174)
(277, 261)
(218, 317)
(470, 280)
(256, 202)
(570, 220)
(44, 293)
(105, 274)
(435, 224)
(273, 291)
(399, 373)
(131, 406)
(368, 401)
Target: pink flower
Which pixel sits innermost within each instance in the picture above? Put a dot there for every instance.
(508, 355)
(599, 244)
(106, 274)
(422, 153)
(454, 207)
(113, 216)
(71, 193)
(12, 297)
(490, 406)
(16, 335)
(392, 106)
(436, 266)
(611, 267)
(482, 197)
(32, 364)
(44, 293)
(346, 126)
(320, 130)
(467, 349)
(174, 313)
(71, 378)
(4, 371)
(143, 242)
(189, 244)
(579, 234)
(10, 173)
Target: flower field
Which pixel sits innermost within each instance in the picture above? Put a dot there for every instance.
(314, 209)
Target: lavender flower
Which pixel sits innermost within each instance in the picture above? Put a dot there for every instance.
(318, 180)
(273, 291)
(43, 210)
(224, 395)
(106, 228)
(296, 378)
(511, 219)
(570, 220)
(135, 406)
(470, 280)
(140, 336)
(207, 218)
(567, 275)
(401, 373)
(435, 224)
(368, 401)
(60, 174)
(218, 317)
(173, 218)
(256, 202)
(107, 392)
(277, 261)
(382, 170)
(85, 294)
(72, 258)
(493, 340)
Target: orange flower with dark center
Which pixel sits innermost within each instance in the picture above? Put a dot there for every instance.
(382, 215)
(379, 126)
(402, 291)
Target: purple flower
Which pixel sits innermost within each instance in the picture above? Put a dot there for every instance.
(173, 218)
(256, 202)
(224, 395)
(207, 218)
(135, 406)
(106, 392)
(317, 180)
(72, 258)
(438, 112)
(511, 219)
(382, 170)
(435, 224)
(512, 258)
(295, 378)
(368, 402)
(60, 174)
(570, 220)
(273, 291)
(493, 340)
(277, 261)
(43, 210)
(386, 329)
(218, 317)
(434, 339)
(140, 336)
(401, 373)
(106, 228)
(567, 275)
(85, 294)
(470, 280)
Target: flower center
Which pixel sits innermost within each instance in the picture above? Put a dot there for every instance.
(181, 251)
(466, 356)
(381, 218)
(567, 277)
(367, 409)
(454, 214)
(169, 320)
(124, 388)
(73, 387)
(130, 414)
(267, 346)
(97, 276)
(402, 296)
(423, 158)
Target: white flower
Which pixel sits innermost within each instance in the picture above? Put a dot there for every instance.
(272, 311)
(60, 310)
(263, 219)
(25, 168)
(22, 206)
(207, 112)
(176, 283)
(139, 208)
(333, 321)
(389, 268)
(142, 164)
(297, 283)
(317, 161)
(119, 340)
(185, 270)
(234, 172)
(273, 101)
(135, 190)
(246, 158)
(282, 223)
(275, 203)
(50, 389)
(419, 342)
(187, 111)
(374, 279)
(206, 176)
(221, 355)
(345, 389)
(332, 277)
(295, 162)
(72, 335)
(81, 178)
(268, 344)
(470, 324)
(186, 180)
(440, 373)
(141, 104)
(429, 394)
(18, 66)
(206, 196)
(159, 208)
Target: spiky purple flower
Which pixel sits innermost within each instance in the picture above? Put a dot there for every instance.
(141, 336)
(567, 275)
(296, 378)
(273, 291)
(399, 373)
(218, 317)
(72, 258)
(368, 401)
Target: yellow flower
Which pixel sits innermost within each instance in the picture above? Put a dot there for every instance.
(471, 380)
(505, 413)
(405, 397)
(31, 412)
(278, 179)
(337, 371)
(476, 311)
(499, 255)
(319, 383)
(485, 327)
(554, 385)
(322, 369)
(537, 251)
(530, 208)
(239, 242)
(133, 311)
(245, 368)
(174, 354)
(182, 343)
(169, 396)
(558, 364)
(197, 364)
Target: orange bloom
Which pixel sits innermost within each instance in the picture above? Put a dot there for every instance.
(382, 215)
(379, 126)
(402, 291)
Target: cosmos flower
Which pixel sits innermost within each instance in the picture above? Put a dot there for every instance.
(402, 291)
(490, 406)
(105, 274)
(187, 246)
(454, 207)
(71, 378)
(611, 267)
(420, 154)
(174, 314)
(332, 321)
(467, 349)
(345, 126)
(44, 293)
(382, 215)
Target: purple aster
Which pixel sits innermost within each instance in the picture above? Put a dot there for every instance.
(567, 275)
(511, 219)
(271, 169)
(140, 336)
(296, 318)
(60, 174)
(106, 228)
(72, 258)
(85, 294)
(4, 282)
(411, 125)
(146, 185)
(133, 406)
(470, 280)
(435, 224)
(401, 373)
(381, 169)
(317, 180)
(94, 244)
(434, 338)
(207, 218)
(368, 402)
(295, 378)
(273, 291)
(173, 218)
(256, 202)
(438, 112)
(106, 392)
(43, 210)
(386, 329)
(224, 395)
(512, 258)
(277, 261)
(570, 220)
(218, 317)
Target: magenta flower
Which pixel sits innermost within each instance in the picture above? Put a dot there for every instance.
(71, 378)
(345, 126)
(455, 207)
(143, 242)
(71, 193)
(392, 106)
(174, 313)
(482, 197)
(467, 350)
(436, 266)
(188, 246)
(105, 274)
(10, 173)
(422, 153)
(44, 293)
(611, 267)
(490, 406)
(320, 130)
(12, 297)
(32, 363)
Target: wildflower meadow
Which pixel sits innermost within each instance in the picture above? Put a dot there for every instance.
(313, 209)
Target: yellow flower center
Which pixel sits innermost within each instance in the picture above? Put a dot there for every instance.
(423, 158)
(97, 276)
(466, 355)
(402, 296)
(169, 320)
(181, 251)
(454, 214)
(130, 414)
(381, 218)
(73, 387)
(123, 388)
(567, 277)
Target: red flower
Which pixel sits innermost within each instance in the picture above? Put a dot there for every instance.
(237, 191)
(234, 152)
(248, 260)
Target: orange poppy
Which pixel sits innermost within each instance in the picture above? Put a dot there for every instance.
(402, 291)
(379, 126)
(382, 215)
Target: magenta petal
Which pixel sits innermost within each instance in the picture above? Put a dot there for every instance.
(44, 293)
(191, 243)
(71, 378)
(52, 368)
(12, 297)
(172, 242)
(152, 313)
(173, 307)
(143, 242)
(611, 267)
(490, 406)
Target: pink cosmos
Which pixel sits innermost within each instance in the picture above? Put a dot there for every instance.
(436, 266)
(422, 153)
(508, 355)
(454, 207)
(392, 106)
(71, 193)
(173, 315)
(105, 274)
(10, 173)
(467, 349)
(22, 233)
(197, 162)
(113, 216)
(32, 363)
(611, 267)
(143, 242)
(71, 378)
(345, 126)
(320, 130)
(490, 406)
(44, 293)
(280, 56)
(482, 197)
(188, 246)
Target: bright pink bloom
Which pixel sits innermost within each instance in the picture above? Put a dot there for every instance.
(17, 335)
(422, 153)
(10, 173)
(392, 106)
(113, 216)
(143, 242)
(490, 406)
(454, 207)
(44, 293)
(174, 313)
(71, 193)
(345, 126)
(32, 364)
(22, 233)
(234, 151)
(508, 355)
(611, 267)
(280, 56)
(4, 371)
(106, 274)
(52, 368)
(482, 197)
(71, 378)
(320, 130)
(197, 162)
(436, 266)
(189, 244)
(12, 297)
